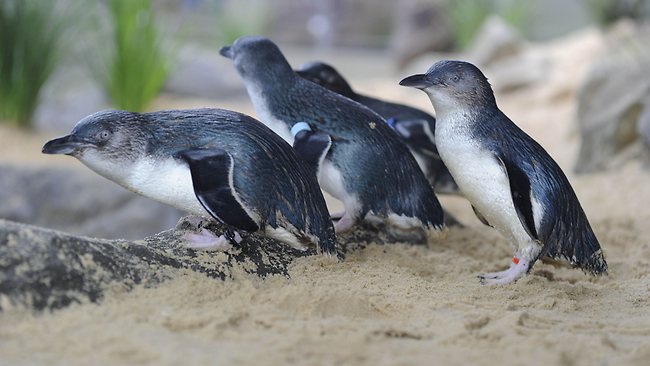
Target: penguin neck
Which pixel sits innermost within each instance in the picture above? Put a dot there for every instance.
(452, 109)
(454, 116)
(264, 95)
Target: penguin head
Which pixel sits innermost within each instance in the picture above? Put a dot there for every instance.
(258, 58)
(107, 135)
(453, 84)
(326, 76)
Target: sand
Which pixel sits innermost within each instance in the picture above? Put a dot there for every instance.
(392, 304)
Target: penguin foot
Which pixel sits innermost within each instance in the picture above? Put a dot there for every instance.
(207, 241)
(518, 268)
(344, 224)
(335, 216)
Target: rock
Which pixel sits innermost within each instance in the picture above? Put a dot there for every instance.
(201, 72)
(495, 41)
(419, 28)
(510, 63)
(613, 99)
(79, 202)
(47, 269)
(519, 71)
(610, 103)
(644, 129)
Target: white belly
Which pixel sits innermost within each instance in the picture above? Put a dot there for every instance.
(168, 181)
(482, 180)
(331, 180)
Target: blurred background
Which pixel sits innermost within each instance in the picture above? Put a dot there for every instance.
(584, 63)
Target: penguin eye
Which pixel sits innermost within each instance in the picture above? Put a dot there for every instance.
(103, 135)
(455, 78)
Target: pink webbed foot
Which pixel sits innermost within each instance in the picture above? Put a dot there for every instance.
(207, 241)
(518, 268)
(344, 224)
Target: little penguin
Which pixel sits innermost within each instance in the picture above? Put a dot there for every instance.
(415, 127)
(211, 163)
(511, 181)
(364, 165)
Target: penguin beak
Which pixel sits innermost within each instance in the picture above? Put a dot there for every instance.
(67, 145)
(226, 51)
(419, 81)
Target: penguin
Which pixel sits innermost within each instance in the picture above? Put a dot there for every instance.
(213, 163)
(365, 166)
(510, 180)
(414, 127)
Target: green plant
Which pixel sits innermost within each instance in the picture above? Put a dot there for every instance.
(467, 16)
(31, 32)
(138, 68)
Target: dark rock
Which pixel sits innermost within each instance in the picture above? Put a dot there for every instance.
(47, 269)
(79, 202)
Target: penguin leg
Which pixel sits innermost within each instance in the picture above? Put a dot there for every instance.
(521, 263)
(345, 223)
(529, 247)
(312, 147)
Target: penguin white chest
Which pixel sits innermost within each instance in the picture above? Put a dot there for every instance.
(331, 180)
(168, 181)
(479, 175)
(165, 180)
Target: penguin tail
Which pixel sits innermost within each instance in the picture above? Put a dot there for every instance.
(578, 245)
(327, 246)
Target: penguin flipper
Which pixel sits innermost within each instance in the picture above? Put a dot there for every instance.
(212, 178)
(417, 132)
(520, 190)
(311, 146)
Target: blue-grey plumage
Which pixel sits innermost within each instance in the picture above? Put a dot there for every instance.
(416, 128)
(366, 167)
(507, 176)
(207, 161)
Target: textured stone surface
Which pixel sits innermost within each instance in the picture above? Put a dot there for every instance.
(46, 269)
(42, 268)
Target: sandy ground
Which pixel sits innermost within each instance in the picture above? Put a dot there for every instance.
(391, 304)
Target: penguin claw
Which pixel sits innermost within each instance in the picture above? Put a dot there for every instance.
(207, 241)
